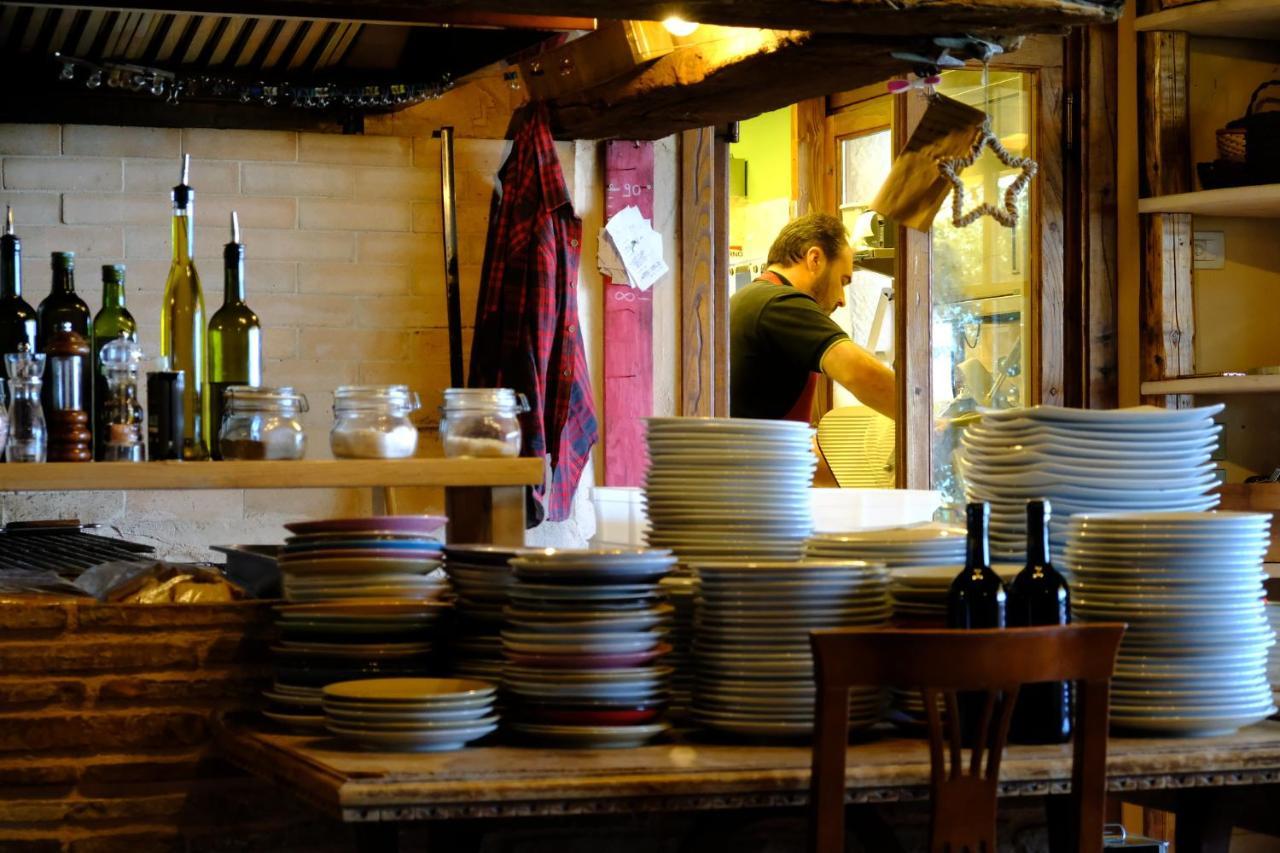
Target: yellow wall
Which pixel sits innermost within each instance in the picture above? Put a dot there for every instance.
(754, 220)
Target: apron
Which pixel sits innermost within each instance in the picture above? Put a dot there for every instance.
(802, 410)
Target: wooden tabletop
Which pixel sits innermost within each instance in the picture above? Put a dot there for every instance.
(513, 781)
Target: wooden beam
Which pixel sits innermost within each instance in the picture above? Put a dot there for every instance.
(1097, 142)
(455, 14)
(697, 270)
(736, 75)
(852, 16)
(913, 333)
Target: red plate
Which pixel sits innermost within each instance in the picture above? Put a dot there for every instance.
(621, 717)
(590, 661)
(379, 523)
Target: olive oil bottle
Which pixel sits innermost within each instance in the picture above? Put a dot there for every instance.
(182, 323)
(235, 338)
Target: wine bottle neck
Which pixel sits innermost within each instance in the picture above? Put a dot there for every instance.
(977, 547)
(64, 280)
(113, 294)
(184, 238)
(1037, 535)
(10, 267)
(233, 287)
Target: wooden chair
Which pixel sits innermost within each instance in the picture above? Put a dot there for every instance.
(942, 664)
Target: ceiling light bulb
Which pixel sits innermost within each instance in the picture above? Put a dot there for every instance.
(678, 26)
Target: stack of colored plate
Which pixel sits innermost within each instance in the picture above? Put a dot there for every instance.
(321, 643)
(583, 637)
(411, 714)
(385, 557)
(752, 648)
(480, 576)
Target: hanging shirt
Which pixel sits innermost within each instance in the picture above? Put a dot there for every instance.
(777, 338)
(527, 335)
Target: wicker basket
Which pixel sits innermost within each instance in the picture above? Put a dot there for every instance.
(1233, 139)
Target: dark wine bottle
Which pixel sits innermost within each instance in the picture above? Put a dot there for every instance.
(113, 321)
(976, 599)
(1039, 596)
(63, 305)
(977, 595)
(17, 318)
(235, 339)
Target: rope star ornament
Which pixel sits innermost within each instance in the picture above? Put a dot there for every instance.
(951, 169)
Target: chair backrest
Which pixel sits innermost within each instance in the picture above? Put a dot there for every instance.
(858, 444)
(989, 665)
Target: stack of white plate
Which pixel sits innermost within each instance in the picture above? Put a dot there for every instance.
(384, 557)
(754, 662)
(1189, 585)
(583, 639)
(411, 714)
(1273, 659)
(918, 545)
(680, 591)
(729, 488)
(1142, 459)
(324, 642)
(480, 576)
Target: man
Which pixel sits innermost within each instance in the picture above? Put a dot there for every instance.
(781, 335)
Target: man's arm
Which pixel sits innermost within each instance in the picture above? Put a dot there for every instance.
(865, 377)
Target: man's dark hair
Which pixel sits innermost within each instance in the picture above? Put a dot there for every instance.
(816, 229)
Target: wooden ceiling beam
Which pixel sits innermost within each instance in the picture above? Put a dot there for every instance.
(745, 74)
(865, 17)
(453, 14)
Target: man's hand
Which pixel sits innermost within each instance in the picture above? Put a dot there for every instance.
(863, 375)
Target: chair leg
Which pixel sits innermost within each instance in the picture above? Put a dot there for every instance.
(1060, 818)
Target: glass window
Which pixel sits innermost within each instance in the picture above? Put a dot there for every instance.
(980, 279)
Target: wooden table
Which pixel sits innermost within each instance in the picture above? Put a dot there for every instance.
(384, 789)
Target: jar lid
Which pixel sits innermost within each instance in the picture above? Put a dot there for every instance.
(489, 399)
(120, 353)
(248, 398)
(348, 398)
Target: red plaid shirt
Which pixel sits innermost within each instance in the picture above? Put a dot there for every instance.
(527, 334)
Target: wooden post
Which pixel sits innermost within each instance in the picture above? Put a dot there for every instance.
(697, 273)
(913, 335)
(1100, 274)
(1166, 313)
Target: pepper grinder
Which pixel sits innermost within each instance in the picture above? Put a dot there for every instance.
(27, 434)
(70, 439)
(123, 423)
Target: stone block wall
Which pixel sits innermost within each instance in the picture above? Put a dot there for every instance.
(344, 268)
(106, 714)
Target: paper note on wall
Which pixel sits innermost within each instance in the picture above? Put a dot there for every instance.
(639, 247)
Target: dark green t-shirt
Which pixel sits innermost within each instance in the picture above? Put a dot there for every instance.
(777, 337)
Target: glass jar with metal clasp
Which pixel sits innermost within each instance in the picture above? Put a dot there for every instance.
(482, 422)
(263, 423)
(372, 422)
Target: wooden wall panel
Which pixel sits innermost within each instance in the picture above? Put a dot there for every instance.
(1047, 280)
(1100, 273)
(697, 271)
(812, 171)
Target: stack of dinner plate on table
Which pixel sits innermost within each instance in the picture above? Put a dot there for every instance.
(1189, 585)
(916, 546)
(754, 663)
(1273, 659)
(680, 591)
(411, 714)
(729, 488)
(384, 557)
(584, 641)
(481, 576)
(321, 643)
(1141, 459)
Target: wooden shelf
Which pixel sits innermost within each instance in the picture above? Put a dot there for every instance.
(1259, 384)
(1262, 202)
(1245, 19)
(306, 474)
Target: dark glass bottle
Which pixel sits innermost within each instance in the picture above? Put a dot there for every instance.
(1039, 596)
(235, 339)
(976, 600)
(17, 318)
(109, 324)
(977, 595)
(63, 305)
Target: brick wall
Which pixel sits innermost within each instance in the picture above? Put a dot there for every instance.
(105, 715)
(344, 269)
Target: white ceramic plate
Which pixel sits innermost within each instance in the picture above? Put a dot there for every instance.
(436, 741)
(593, 737)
